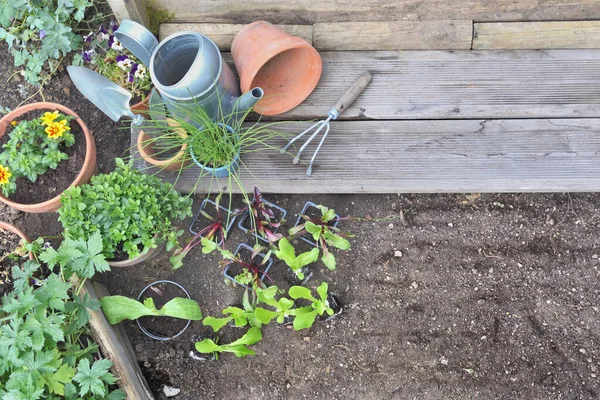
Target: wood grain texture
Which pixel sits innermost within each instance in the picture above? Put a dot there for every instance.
(516, 155)
(394, 35)
(223, 34)
(114, 347)
(537, 35)
(459, 85)
(306, 12)
(134, 10)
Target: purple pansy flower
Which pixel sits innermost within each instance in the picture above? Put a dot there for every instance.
(114, 44)
(131, 75)
(102, 29)
(87, 55)
(114, 26)
(89, 37)
(42, 34)
(123, 62)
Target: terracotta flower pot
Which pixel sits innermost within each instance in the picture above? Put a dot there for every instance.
(140, 259)
(147, 151)
(89, 164)
(286, 67)
(11, 228)
(142, 107)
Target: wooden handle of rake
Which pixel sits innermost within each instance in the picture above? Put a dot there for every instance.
(351, 94)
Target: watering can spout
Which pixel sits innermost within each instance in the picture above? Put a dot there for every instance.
(246, 101)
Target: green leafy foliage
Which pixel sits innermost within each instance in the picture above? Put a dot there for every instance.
(119, 308)
(131, 211)
(305, 316)
(33, 147)
(287, 254)
(39, 33)
(40, 354)
(324, 234)
(237, 347)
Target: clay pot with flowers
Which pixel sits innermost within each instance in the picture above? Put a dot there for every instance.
(45, 148)
(107, 56)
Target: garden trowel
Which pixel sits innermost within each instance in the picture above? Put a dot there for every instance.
(109, 97)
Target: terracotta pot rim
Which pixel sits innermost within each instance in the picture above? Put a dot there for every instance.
(151, 253)
(178, 158)
(16, 231)
(89, 161)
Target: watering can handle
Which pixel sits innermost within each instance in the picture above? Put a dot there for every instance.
(137, 39)
(350, 95)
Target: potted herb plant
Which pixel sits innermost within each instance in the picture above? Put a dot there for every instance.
(216, 147)
(41, 146)
(107, 56)
(134, 213)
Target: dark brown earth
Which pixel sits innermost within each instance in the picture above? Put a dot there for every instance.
(54, 181)
(8, 243)
(461, 297)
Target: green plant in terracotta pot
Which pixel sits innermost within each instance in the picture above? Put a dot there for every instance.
(134, 213)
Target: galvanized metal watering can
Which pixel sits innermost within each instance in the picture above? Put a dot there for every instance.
(188, 71)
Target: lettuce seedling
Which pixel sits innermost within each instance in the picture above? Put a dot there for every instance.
(324, 234)
(287, 254)
(237, 347)
(305, 316)
(240, 316)
(283, 307)
(118, 308)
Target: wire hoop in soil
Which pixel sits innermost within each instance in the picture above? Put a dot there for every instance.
(310, 209)
(196, 226)
(152, 333)
(245, 223)
(232, 270)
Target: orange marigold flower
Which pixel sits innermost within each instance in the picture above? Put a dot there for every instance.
(4, 175)
(48, 117)
(56, 129)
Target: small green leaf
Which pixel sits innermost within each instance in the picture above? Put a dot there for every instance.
(300, 292)
(322, 290)
(329, 260)
(216, 323)
(265, 316)
(304, 320)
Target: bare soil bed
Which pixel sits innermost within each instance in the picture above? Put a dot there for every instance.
(461, 296)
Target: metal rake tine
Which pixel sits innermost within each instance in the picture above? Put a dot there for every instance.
(312, 160)
(283, 149)
(324, 123)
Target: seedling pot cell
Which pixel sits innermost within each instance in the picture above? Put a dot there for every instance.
(309, 209)
(335, 304)
(199, 221)
(245, 219)
(232, 270)
(149, 291)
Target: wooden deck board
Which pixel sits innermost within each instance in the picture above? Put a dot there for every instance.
(537, 35)
(394, 35)
(310, 11)
(459, 84)
(517, 155)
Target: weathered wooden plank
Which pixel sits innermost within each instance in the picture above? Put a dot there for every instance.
(126, 368)
(537, 35)
(134, 10)
(396, 35)
(457, 85)
(311, 11)
(223, 34)
(515, 155)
